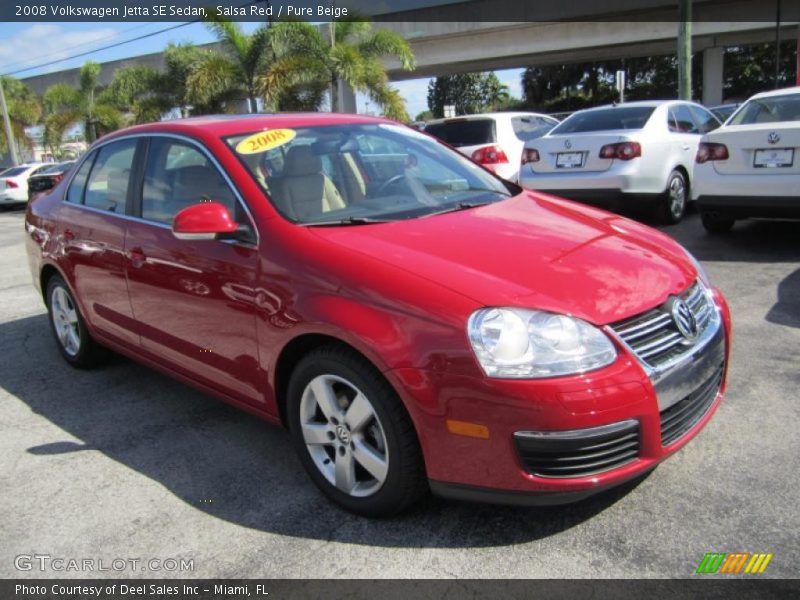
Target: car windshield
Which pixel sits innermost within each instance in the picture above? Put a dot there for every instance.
(606, 119)
(362, 173)
(773, 109)
(464, 132)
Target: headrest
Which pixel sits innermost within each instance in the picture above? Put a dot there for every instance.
(300, 161)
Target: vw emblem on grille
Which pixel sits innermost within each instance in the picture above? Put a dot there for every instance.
(684, 319)
(774, 137)
(567, 144)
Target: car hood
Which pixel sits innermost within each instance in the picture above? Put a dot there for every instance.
(533, 251)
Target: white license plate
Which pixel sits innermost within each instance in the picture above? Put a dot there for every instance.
(569, 160)
(773, 158)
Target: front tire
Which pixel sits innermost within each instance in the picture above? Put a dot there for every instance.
(68, 327)
(353, 434)
(673, 203)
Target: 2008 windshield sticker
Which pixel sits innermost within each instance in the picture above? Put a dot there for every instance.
(265, 140)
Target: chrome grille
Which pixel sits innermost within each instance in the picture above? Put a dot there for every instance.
(655, 337)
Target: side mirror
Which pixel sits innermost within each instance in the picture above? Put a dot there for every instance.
(204, 221)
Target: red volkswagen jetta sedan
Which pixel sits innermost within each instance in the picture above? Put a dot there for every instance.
(415, 322)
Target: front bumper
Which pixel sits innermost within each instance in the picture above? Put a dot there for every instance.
(499, 470)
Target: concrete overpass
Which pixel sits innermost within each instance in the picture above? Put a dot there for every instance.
(548, 32)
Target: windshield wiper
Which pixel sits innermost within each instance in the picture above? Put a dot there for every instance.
(457, 207)
(487, 190)
(348, 221)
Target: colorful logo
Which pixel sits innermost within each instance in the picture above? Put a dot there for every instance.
(723, 563)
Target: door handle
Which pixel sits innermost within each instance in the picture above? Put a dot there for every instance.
(686, 147)
(137, 257)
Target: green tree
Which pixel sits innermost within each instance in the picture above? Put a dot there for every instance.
(66, 105)
(350, 52)
(24, 109)
(425, 115)
(464, 91)
(751, 69)
(494, 93)
(218, 77)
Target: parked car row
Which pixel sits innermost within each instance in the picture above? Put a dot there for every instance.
(19, 184)
(657, 154)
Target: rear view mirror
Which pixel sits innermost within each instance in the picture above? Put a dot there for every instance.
(204, 221)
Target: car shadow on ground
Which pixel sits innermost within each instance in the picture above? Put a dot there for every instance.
(230, 465)
(786, 310)
(750, 240)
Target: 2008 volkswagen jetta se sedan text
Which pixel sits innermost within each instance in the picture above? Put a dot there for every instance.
(414, 321)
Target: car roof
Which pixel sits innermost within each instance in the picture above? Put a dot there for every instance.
(495, 115)
(642, 103)
(781, 92)
(227, 125)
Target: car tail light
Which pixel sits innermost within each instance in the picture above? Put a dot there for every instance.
(56, 178)
(621, 150)
(490, 155)
(530, 155)
(10, 184)
(707, 151)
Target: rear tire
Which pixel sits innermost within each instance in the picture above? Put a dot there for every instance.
(69, 328)
(673, 202)
(353, 434)
(713, 222)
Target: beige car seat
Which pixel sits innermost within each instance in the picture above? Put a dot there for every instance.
(304, 192)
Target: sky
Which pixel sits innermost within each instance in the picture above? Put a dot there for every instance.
(24, 45)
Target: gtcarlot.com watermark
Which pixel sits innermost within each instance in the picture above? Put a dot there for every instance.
(45, 563)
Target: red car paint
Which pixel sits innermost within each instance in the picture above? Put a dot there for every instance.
(221, 316)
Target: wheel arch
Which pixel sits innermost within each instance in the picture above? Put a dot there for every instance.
(294, 351)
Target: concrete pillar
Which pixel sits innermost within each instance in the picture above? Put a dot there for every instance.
(712, 75)
(347, 98)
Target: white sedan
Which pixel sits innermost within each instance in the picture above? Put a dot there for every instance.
(14, 183)
(494, 140)
(639, 151)
(750, 167)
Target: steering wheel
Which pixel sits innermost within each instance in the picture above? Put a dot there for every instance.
(389, 182)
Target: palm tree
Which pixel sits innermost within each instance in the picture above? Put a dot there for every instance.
(494, 92)
(218, 77)
(351, 52)
(24, 109)
(138, 91)
(66, 105)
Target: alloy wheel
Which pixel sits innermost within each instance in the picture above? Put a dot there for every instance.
(677, 196)
(65, 320)
(344, 436)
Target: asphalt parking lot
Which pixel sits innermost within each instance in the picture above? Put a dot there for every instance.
(125, 463)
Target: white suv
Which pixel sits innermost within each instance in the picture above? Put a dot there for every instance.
(494, 140)
(638, 150)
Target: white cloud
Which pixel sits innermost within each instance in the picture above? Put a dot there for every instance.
(45, 42)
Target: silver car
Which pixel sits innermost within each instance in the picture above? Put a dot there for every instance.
(639, 151)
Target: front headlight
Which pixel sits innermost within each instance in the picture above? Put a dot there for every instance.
(515, 343)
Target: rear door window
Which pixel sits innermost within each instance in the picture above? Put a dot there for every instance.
(107, 186)
(464, 132)
(78, 185)
(706, 121)
(682, 120)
